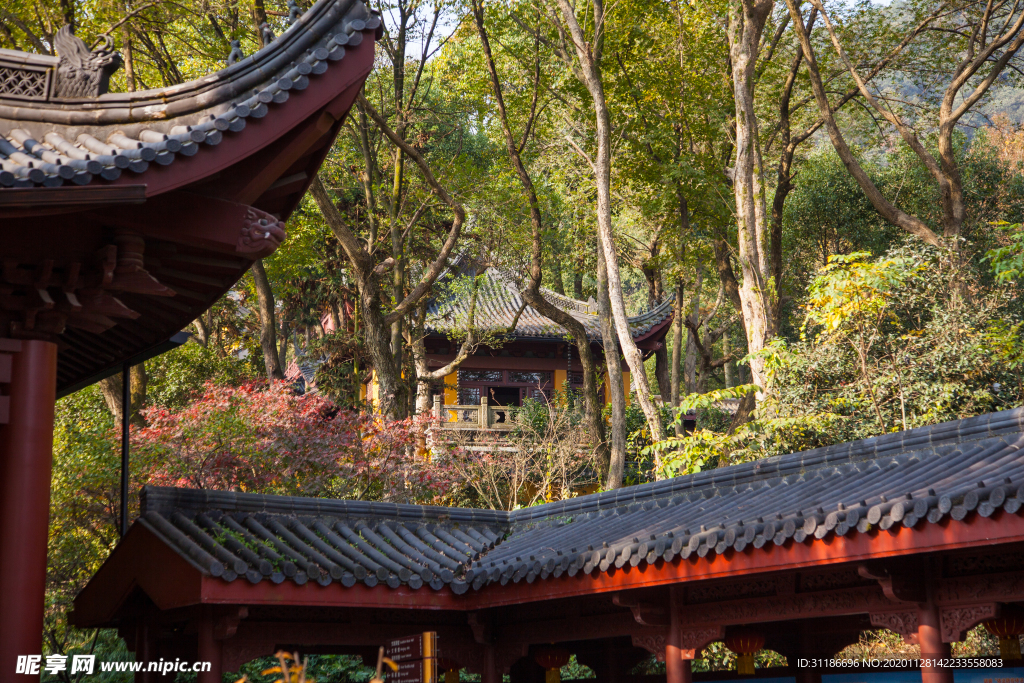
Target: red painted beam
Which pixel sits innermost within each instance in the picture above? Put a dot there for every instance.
(191, 219)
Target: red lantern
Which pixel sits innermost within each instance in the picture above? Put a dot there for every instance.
(552, 659)
(745, 642)
(1008, 629)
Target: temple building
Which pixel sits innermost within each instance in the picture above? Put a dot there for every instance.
(918, 532)
(125, 216)
(529, 361)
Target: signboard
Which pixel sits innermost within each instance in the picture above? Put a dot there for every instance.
(415, 671)
(419, 646)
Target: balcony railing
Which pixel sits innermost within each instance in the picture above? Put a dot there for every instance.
(476, 417)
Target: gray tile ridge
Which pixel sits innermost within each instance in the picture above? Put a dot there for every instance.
(165, 500)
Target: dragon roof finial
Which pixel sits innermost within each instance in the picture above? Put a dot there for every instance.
(81, 72)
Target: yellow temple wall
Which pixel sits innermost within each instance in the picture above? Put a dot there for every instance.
(451, 381)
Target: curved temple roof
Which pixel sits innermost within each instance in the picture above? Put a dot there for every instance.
(50, 141)
(954, 471)
(128, 214)
(499, 299)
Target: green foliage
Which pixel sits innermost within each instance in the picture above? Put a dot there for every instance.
(908, 339)
(691, 453)
(178, 376)
(853, 292)
(1008, 260)
(83, 520)
(945, 346)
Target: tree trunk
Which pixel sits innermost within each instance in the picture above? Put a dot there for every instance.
(723, 262)
(661, 374)
(377, 334)
(616, 386)
(129, 55)
(592, 408)
(282, 352)
(746, 24)
(259, 16)
(202, 330)
(367, 176)
(110, 388)
(268, 324)
(677, 322)
(730, 367)
(556, 275)
(677, 345)
(784, 176)
(677, 350)
(590, 63)
(691, 336)
(577, 282)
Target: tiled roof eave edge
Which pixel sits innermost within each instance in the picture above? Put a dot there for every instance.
(991, 425)
(201, 94)
(681, 548)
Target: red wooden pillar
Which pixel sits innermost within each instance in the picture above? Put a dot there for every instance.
(28, 368)
(209, 648)
(677, 669)
(490, 673)
(929, 637)
(145, 651)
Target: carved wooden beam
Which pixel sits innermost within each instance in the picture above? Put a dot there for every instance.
(955, 622)
(897, 587)
(691, 641)
(196, 220)
(798, 606)
(1004, 587)
(903, 622)
(646, 614)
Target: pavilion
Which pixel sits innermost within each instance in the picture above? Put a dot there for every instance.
(919, 532)
(531, 359)
(125, 216)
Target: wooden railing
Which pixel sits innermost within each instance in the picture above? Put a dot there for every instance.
(472, 416)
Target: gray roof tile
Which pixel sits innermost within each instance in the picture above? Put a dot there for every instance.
(42, 143)
(499, 300)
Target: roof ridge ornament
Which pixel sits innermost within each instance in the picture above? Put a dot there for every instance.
(236, 52)
(267, 34)
(81, 72)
